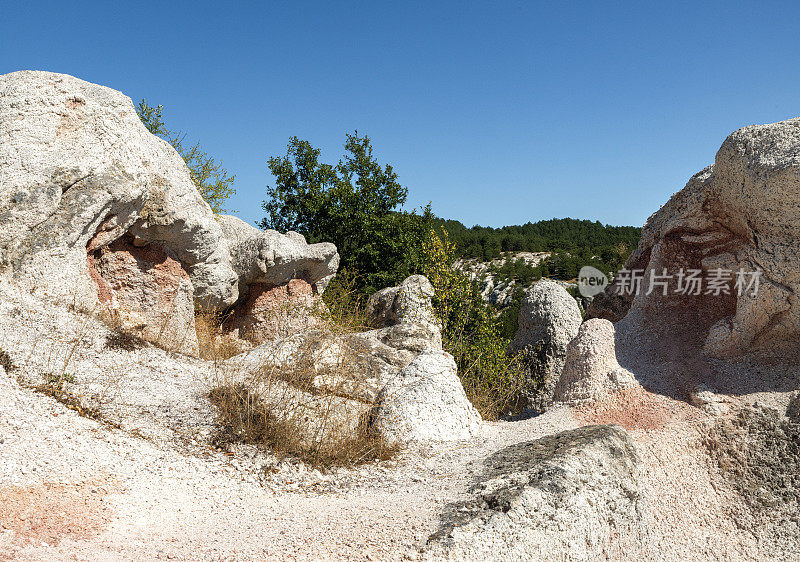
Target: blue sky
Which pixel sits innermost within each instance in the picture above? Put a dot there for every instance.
(497, 113)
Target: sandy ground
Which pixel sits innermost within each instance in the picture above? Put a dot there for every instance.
(142, 483)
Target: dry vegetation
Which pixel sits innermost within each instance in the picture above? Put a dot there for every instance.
(298, 397)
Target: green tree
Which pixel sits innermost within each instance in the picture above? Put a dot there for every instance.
(471, 333)
(211, 179)
(355, 204)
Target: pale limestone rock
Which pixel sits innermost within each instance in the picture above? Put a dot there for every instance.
(575, 495)
(548, 320)
(591, 370)
(76, 164)
(425, 402)
(742, 213)
(270, 258)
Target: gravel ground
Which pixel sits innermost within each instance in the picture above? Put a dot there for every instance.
(141, 482)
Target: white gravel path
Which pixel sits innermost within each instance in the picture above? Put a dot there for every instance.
(155, 490)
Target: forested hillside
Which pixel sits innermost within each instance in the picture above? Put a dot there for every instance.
(556, 235)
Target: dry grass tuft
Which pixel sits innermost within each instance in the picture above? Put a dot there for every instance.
(305, 396)
(321, 430)
(213, 344)
(126, 341)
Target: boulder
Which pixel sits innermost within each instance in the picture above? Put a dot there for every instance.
(78, 167)
(411, 301)
(548, 320)
(575, 495)
(736, 222)
(591, 370)
(425, 402)
(355, 365)
(269, 258)
(79, 173)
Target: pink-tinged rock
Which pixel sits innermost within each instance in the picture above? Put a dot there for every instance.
(146, 292)
(272, 312)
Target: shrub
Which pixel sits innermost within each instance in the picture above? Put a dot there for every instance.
(211, 179)
(471, 333)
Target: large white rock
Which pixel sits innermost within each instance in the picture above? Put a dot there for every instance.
(575, 495)
(591, 370)
(74, 157)
(425, 402)
(740, 215)
(548, 320)
(272, 258)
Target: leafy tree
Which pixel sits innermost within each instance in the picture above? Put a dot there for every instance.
(354, 204)
(212, 180)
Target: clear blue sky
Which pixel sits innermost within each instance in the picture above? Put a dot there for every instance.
(498, 113)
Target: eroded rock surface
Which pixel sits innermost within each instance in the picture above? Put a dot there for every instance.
(79, 173)
(571, 496)
(739, 216)
(77, 165)
(425, 402)
(548, 320)
(145, 292)
(591, 370)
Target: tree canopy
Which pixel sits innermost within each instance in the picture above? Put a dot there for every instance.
(356, 204)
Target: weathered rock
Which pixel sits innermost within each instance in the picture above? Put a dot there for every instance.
(548, 320)
(571, 496)
(425, 402)
(591, 370)
(758, 453)
(740, 215)
(411, 301)
(415, 301)
(273, 312)
(77, 166)
(267, 257)
(146, 293)
(356, 365)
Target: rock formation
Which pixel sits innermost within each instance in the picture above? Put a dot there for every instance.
(369, 359)
(548, 320)
(425, 402)
(570, 496)
(591, 370)
(97, 213)
(735, 218)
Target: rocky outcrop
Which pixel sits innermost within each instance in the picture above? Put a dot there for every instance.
(571, 496)
(411, 301)
(591, 370)
(739, 216)
(357, 364)
(425, 402)
(281, 279)
(79, 173)
(548, 320)
(269, 258)
(77, 165)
